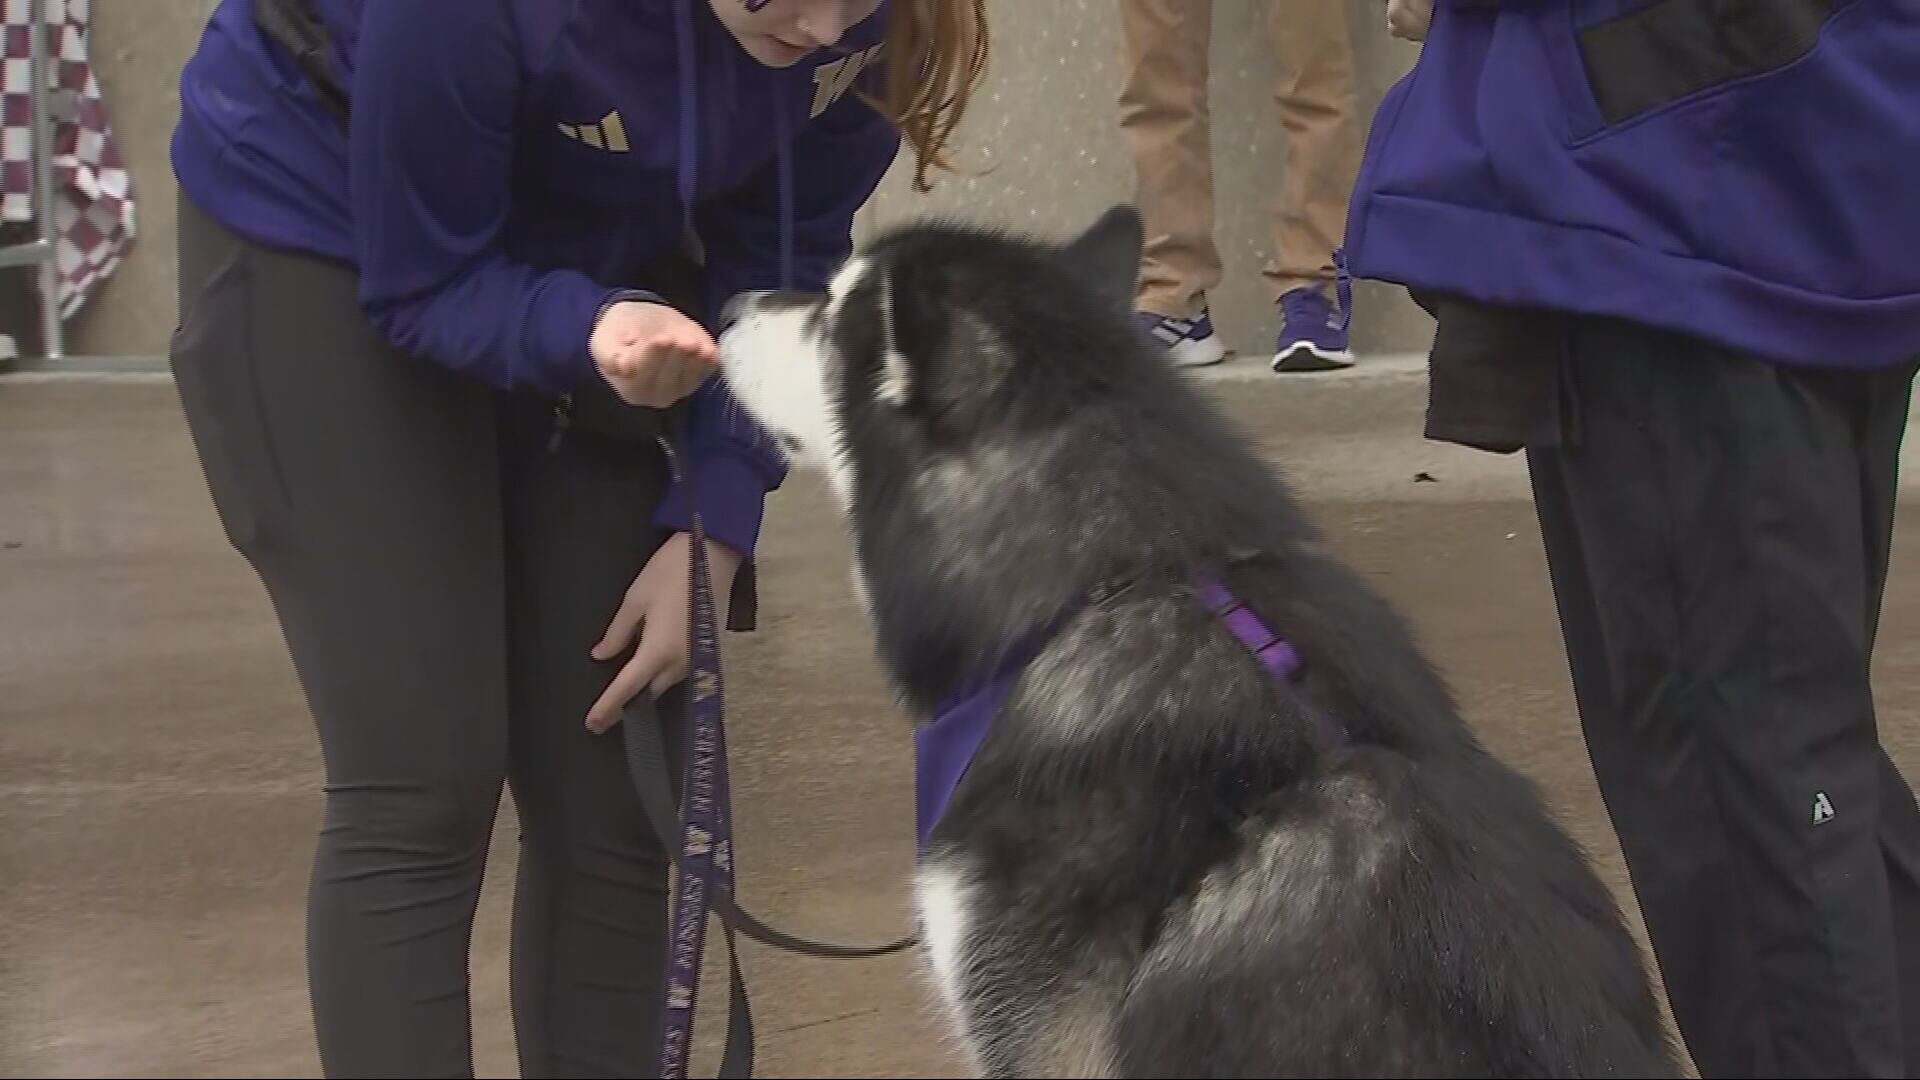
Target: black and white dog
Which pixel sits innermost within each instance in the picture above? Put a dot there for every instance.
(1223, 818)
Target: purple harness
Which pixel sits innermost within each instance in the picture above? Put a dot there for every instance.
(944, 748)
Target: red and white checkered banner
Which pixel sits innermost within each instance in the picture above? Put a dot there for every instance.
(94, 210)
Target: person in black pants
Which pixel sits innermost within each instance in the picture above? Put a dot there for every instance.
(446, 273)
(1662, 267)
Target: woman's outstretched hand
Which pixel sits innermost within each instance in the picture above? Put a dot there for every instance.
(650, 354)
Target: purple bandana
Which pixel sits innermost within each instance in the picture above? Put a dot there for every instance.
(943, 749)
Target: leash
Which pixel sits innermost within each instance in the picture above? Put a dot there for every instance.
(699, 838)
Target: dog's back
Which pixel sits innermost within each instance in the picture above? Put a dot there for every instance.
(1363, 929)
(1182, 880)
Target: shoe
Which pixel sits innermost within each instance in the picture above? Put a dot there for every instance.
(1189, 342)
(1313, 331)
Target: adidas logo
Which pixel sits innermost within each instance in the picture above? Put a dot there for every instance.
(609, 134)
(1822, 808)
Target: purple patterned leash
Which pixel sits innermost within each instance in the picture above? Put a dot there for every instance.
(699, 835)
(706, 840)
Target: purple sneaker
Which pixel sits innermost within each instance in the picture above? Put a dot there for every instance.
(1313, 331)
(1188, 342)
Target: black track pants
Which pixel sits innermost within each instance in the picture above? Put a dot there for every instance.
(1718, 533)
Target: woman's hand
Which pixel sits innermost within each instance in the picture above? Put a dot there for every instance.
(651, 354)
(1409, 19)
(656, 609)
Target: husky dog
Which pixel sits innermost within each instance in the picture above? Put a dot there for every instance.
(1170, 854)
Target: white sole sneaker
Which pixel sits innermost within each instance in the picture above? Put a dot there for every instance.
(1306, 356)
(1192, 353)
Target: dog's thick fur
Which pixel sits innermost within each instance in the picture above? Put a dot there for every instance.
(1153, 869)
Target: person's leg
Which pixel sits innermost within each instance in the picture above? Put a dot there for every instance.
(1319, 109)
(1885, 403)
(1704, 536)
(362, 486)
(1657, 794)
(1164, 117)
(590, 917)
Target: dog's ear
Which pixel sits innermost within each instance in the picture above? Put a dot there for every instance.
(935, 360)
(895, 386)
(1107, 255)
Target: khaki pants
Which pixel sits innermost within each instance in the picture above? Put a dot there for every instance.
(1164, 116)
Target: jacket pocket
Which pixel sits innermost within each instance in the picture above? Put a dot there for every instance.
(1670, 53)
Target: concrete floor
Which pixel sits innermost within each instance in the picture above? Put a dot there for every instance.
(159, 778)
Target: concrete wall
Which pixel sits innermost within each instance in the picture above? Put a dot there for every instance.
(1045, 128)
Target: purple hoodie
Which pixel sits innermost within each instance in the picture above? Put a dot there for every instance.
(511, 159)
(1746, 171)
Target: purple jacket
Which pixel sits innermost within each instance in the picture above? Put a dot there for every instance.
(511, 160)
(1747, 171)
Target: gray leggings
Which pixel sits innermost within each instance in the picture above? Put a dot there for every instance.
(440, 573)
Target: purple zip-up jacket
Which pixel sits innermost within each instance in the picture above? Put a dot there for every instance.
(509, 160)
(1747, 171)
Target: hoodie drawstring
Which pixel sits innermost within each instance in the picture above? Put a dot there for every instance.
(689, 163)
(689, 106)
(784, 151)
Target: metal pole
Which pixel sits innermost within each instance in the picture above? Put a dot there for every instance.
(52, 338)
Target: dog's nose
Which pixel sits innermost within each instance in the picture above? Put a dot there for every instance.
(737, 308)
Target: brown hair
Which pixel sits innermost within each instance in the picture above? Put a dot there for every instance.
(936, 53)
